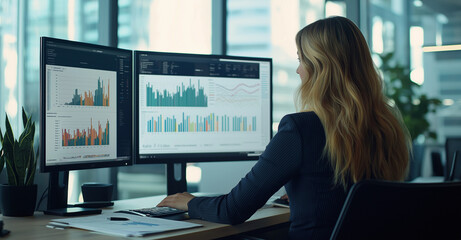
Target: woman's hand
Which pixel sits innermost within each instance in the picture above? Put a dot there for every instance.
(178, 201)
(285, 197)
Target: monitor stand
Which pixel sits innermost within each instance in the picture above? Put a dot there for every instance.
(176, 178)
(57, 197)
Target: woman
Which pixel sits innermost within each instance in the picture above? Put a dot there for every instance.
(345, 132)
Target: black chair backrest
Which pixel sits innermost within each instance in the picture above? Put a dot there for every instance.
(453, 167)
(452, 144)
(437, 166)
(400, 210)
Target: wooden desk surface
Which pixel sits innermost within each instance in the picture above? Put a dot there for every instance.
(34, 227)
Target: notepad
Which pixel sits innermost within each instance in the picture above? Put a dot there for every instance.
(134, 226)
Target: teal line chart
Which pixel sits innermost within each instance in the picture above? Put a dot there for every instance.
(239, 93)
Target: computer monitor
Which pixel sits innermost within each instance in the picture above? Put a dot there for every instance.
(200, 108)
(86, 109)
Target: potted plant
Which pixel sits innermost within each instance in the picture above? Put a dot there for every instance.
(414, 106)
(18, 197)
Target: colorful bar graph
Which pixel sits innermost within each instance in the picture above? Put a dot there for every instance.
(86, 137)
(183, 97)
(99, 98)
(208, 123)
(241, 124)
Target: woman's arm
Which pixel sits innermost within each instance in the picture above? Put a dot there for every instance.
(276, 166)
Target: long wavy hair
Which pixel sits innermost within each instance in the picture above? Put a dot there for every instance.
(365, 134)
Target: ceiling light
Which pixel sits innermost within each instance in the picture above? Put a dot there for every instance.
(442, 48)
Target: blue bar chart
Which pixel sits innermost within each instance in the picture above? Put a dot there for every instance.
(208, 123)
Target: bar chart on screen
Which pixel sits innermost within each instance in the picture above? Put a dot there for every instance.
(92, 135)
(182, 92)
(99, 97)
(80, 87)
(182, 96)
(70, 91)
(209, 123)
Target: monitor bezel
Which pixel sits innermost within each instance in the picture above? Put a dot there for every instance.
(84, 165)
(165, 158)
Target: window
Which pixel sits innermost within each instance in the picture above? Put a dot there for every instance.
(267, 29)
(22, 23)
(262, 28)
(435, 26)
(9, 92)
(417, 32)
(388, 20)
(73, 20)
(165, 26)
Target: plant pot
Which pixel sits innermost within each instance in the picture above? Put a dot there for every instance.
(18, 201)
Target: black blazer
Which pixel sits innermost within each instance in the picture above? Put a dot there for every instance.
(293, 158)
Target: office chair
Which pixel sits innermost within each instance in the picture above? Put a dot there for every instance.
(452, 144)
(454, 167)
(436, 162)
(400, 210)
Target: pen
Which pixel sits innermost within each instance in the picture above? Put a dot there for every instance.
(118, 219)
(55, 227)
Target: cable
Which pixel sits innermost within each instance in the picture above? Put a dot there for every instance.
(41, 198)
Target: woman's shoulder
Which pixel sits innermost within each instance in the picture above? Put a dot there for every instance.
(303, 121)
(301, 116)
(300, 120)
(305, 124)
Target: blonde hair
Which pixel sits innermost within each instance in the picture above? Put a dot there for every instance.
(365, 135)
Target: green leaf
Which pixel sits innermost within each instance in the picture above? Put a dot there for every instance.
(37, 155)
(20, 163)
(25, 157)
(8, 152)
(32, 162)
(27, 137)
(24, 117)
(9, 138)
(19, 154)
(11, 174)
(2, 161)
(413, 106)
(31, 167)
(433, 135)
(27, 129)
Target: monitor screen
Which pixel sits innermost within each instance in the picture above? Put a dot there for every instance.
(194, 108)
(86, 106)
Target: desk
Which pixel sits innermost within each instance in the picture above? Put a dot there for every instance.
(34, 227)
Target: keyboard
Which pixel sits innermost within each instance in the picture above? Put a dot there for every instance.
(153, 211)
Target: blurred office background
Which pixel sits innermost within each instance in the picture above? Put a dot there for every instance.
(262, 28)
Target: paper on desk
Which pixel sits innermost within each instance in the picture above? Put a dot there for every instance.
(136, 226)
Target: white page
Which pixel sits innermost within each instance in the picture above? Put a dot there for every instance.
(135, 226)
